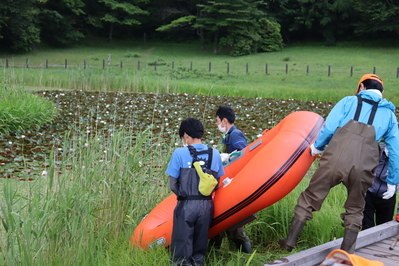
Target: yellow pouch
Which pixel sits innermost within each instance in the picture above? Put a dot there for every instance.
(207, 182)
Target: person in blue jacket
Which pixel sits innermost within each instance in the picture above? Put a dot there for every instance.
(193, 213)
(378, 210)
(349, 141)
(233, 140)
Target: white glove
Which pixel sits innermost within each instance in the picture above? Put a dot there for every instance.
(390, 192)
(225, 157)
(314, 151)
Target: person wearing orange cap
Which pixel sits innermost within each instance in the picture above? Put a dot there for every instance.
(349, 141)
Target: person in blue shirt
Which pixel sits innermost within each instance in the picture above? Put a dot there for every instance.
(349, 141)
(234, 140)
(193, 213)
(378, 210)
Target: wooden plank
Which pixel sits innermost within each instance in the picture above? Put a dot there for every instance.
(378, 252)
(316, 255)
(377, 233)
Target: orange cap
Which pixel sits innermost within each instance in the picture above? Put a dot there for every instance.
(369, 76)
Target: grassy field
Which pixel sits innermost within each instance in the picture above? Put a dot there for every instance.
(297, 83)
(85, 205)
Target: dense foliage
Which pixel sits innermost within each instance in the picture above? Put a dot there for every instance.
(20, 109)
(243, 26)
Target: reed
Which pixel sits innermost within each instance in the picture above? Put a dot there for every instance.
(297, 86)
(347, 61)
(84, 208)
(21, 109)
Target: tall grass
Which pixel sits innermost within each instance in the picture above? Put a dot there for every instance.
(20, 109)
(84, 208)
(276, 86)
(297, 83)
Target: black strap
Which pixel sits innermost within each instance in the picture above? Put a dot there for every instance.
(194, 197)
(360, 101)
(358, 108)
(194, 154)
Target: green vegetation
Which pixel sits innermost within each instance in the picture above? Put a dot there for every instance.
(238, 25)
(98, 186)
(296, 84)
(20, 109)
(84, 208)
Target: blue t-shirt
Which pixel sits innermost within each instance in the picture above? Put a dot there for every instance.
(181, 158)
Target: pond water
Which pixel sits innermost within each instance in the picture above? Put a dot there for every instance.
(25, 154)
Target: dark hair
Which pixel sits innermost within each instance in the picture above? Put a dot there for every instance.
(192, 127)
(226, 112)
(373, 84)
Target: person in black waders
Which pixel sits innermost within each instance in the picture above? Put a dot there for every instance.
(352, 131)
(193, 213)
(376, 209)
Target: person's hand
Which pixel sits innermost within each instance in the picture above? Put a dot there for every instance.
(314, 151)
(225, 157)
(390, 192)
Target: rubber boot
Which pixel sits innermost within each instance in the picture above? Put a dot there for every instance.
(295, 230)
(245, 247)
(349, 241)
(216, 241)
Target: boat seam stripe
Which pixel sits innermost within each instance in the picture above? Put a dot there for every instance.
(276, 177)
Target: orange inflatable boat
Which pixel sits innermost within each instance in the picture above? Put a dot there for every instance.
(264, 172)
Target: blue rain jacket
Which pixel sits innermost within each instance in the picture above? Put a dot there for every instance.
(385, 125)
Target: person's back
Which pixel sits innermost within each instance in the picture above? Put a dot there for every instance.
(349, 143)
(384, 120)
(345, 110)
(193, 213)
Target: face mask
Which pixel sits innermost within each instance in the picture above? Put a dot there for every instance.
(221, 129)
(184, 144)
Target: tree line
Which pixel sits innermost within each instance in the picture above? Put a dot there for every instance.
(240, 26)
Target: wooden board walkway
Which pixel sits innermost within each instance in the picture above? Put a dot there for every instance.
(372, 244)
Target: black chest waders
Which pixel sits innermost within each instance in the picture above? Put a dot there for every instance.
(193, 214)
(378, 210)
(350, 158)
